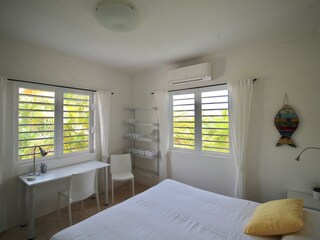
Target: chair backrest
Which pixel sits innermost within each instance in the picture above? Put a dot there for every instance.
(120, 163)
(83, 185)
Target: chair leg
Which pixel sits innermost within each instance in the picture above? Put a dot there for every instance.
(98, 203)
(132, 186)
(112, 193)
(58, 206)
(69, 214)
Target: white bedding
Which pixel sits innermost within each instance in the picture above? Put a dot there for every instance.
(168, 211)
(311, 230)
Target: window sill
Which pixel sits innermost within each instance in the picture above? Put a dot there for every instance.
(52, 162)
(204, 154)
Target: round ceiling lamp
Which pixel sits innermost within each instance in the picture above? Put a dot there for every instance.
(118, 16)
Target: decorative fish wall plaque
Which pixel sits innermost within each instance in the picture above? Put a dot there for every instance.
(286, 121)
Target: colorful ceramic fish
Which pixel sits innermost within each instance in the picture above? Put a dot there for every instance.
(286, 121)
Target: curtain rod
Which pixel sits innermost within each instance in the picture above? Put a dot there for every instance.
(220, 84)
(52, 85)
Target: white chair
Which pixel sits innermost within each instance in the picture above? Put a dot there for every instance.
(81, 186)
(120, 169)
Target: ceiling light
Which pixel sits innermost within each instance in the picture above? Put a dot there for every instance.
(118, 16)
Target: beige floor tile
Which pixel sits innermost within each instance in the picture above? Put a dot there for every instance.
(47, 226)
(21, 233)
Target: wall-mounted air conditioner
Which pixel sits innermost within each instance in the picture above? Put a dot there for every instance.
(190, 74)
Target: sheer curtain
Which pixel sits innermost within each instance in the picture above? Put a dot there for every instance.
(3, 95)
(102, 120)
(240, 93)
(162, 104)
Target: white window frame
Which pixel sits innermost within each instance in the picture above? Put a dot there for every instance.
(58, 128)
(198, 122)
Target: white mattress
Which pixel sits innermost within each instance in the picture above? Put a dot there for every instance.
(311, 230)
(168, 211)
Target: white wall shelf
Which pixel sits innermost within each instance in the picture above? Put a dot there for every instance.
(143, 124)
(145, 172)
(149, 140)
(142, 121)
(146, 157)
(140, 108)
(309, 201)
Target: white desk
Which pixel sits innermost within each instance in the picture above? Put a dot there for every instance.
(52, 175)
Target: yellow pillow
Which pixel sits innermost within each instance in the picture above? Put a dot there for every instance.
(276, 218)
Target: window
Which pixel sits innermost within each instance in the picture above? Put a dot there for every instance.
(76, 122)
(200, 120)
(184, 121)
(36, 121)
(57, 119)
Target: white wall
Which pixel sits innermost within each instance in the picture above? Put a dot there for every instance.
(289, 67)
(25, 62)
(206, 172)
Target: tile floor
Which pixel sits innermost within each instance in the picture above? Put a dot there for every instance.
(48, 225)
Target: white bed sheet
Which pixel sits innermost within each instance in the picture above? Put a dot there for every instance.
(168, 211)
(311, 230)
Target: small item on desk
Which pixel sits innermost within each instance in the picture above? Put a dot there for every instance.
(31, 177)
(43, 168)
(316, 191)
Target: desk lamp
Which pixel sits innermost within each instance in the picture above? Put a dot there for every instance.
(298, 157)
(33, 175)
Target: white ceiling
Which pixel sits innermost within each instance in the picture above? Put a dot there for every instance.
(171, 30)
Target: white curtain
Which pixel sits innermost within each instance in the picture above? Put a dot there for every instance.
(162, 104)
(240, 94)
(3, 95)
(103, 100)
(102, 120)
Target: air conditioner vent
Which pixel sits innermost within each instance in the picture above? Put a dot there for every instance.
(191, 74)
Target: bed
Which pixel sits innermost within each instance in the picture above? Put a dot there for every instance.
(171, 210)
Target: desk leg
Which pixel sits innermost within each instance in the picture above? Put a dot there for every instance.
(31, 213)
(23, 210)
(106, 197)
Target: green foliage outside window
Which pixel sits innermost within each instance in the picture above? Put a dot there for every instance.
(214, 121)
(36, 122)
(76, 117)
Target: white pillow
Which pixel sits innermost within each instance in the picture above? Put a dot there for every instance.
(311, 230)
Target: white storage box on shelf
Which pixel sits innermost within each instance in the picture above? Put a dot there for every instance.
(134, 135)
(138, 135)
(150, 153)
(144, 140)
(141, 152)
(131, 121)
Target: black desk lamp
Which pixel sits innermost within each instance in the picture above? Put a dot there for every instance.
(33, 175)
(298, 157)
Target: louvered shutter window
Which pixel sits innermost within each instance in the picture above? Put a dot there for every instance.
(57, 119)
(215, 121)
(36, 123)
(200, 120)
(184, 121)
(76, 122)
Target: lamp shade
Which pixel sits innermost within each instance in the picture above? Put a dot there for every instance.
(42, 152)
(118, 16)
